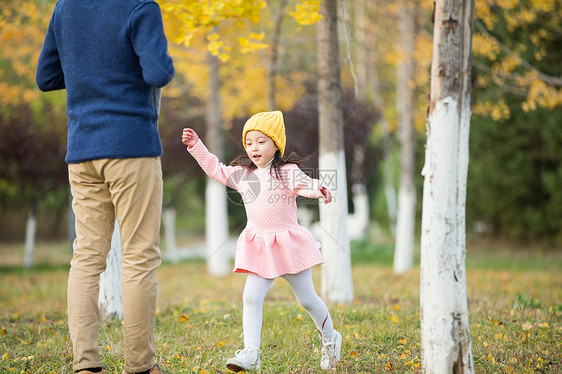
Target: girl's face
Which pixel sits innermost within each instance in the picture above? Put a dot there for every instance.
(260, 147)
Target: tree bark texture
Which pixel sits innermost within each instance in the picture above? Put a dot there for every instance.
(446, 344)
(337, 284)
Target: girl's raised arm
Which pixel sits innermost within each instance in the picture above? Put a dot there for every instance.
(209, 162)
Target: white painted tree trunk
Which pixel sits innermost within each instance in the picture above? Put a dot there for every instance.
(110, 302)
(337, 285)
(216, 228)
(216, 212)
(30, 231)
(169, 220)
(358, 222)
(389, 188)
(446, 344)
(405, 229)
(405, 224)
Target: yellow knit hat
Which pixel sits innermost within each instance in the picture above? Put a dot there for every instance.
(269, 123)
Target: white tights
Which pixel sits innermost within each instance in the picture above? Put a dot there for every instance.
(254, 293)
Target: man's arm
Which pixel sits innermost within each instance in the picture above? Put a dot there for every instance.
(150, 44)
(49, 75)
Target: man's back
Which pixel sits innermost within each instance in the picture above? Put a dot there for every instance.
(111, 54)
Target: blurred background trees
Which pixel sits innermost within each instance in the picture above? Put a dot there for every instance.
(515, 165)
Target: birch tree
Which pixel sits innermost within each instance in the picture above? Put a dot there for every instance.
(337, 285)
(405, 225)
(446, 344)
(216, 214)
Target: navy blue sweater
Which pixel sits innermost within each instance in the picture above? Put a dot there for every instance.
(112, 58)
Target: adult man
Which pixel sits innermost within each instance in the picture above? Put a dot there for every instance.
(111, 57)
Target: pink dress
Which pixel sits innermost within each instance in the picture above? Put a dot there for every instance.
(272, 243)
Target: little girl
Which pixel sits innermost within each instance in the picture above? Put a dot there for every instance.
(273, 244)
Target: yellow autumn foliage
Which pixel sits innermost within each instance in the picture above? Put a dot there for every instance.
(509, 69)
(229, 29)
(542, 95)
(484, 46)
(188, 20)
(22, 28)
(497, 111)
(307, 12)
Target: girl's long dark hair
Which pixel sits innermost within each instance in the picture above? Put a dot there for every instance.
(278, 161)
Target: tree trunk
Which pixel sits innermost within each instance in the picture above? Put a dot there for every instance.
(337, 285)
(388, 171)
(361, 36)
(358, 222)
(216, 214)
(446, 344)
(367, 73)
(272, 65)
(405, 97)
(169, 220)
(30, 231)
(110, 302)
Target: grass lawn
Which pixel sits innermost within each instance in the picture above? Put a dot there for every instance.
(515, 306)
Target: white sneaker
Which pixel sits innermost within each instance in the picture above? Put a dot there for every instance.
(331, 350)
(246, 359)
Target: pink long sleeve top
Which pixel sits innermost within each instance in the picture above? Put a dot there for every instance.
(272, 243)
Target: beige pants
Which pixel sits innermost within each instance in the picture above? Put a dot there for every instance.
(131, 191)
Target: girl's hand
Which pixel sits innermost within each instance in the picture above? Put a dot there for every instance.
(189, 137)
(327, 194)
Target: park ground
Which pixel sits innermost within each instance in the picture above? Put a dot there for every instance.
(515, 312)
